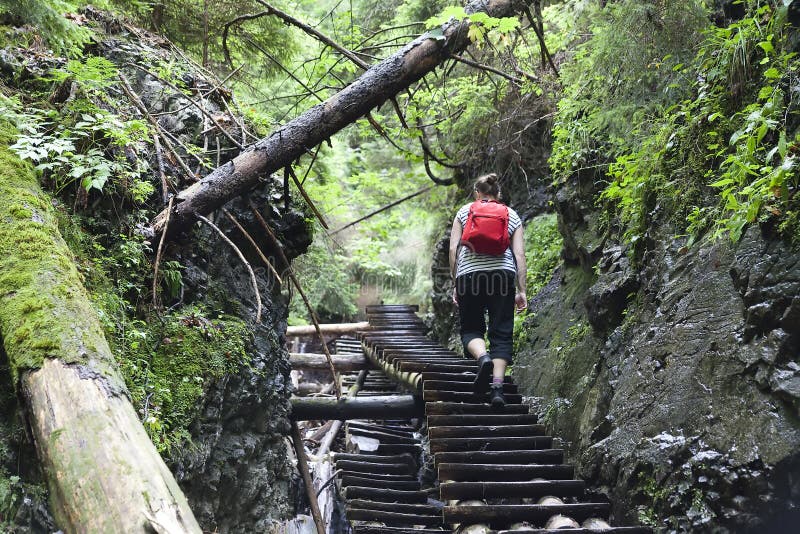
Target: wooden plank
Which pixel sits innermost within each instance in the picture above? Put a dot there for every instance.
(491, 490)
(504, 472)
(534, 513)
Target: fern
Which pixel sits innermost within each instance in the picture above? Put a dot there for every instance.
(47, 16)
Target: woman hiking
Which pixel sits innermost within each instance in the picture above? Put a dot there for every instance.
(487, 256)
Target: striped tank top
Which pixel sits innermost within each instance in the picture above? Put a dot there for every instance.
(469, 262)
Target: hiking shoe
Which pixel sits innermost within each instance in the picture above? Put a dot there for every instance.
(485, 368)
(496, 398)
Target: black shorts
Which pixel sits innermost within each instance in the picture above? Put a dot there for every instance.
(491, 292)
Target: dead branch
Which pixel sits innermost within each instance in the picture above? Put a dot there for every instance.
(200, 107)
(384, 208)
(243, 260)
(296, 282)
(538, 28)
(160, 163)
(311, 205)
(156, 303)
(255, 246)
(302, 465)
(143, 110)
(314, 33)
(487, 68)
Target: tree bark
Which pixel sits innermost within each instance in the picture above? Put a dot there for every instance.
(380, 83)
(382, 407)
(336, 328)
(103, 472)
(344, 363)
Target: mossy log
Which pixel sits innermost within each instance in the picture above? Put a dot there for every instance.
(103, 472)
(378, 84)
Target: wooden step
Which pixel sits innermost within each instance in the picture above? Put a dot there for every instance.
(436, 432)
(435, 395)
(391, 518)
(373, 475)
(472, 408)
(386, 495)
(375, 459)
(543, 456)
(384, 469)
(490, 444)
(490, 490)
(347, 481)
(482, 420)
(443, 385)
(504, 472)
(511, 513)
(372, 529)
(403, 508)
(416, 367)
(612, 530)
(468, 376)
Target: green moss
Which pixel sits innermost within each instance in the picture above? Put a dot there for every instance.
(44, 310)
(169, 364)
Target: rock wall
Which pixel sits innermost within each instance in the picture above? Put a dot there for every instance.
(673, 382)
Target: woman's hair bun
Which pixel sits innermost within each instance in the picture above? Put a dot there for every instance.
(492, 179)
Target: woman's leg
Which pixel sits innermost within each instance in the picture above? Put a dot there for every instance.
(501, 331)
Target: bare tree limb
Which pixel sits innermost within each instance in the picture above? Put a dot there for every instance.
(384, 208)
(255, 245)
(142, 109)
(296, 282)
(286, 144)
(243, 260)
(156, 300)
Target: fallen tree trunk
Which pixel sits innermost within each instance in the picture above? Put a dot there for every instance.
(103, 472)
(344, 363)
(380, 407)
(380, 83)
(336, 328)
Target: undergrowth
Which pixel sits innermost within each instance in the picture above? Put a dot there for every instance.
(711, 143)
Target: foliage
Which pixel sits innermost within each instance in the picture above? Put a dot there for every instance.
(619, 77)
(543, 245)
(83, 142)
(167, 366)
(61, 33)
(734, 135)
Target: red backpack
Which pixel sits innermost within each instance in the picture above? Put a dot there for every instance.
(486, 230)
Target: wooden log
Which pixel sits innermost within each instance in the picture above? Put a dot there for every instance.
(392, 518)
(490, 444)
(336, 328)
(485, 431)
(385, 407)
(490, 490)
(102, 470)
(302, 465)
(344, 363)
(454, 408)
(290, 141)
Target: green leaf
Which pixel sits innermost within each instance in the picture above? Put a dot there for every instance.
(766, 46)
(722, 183)
(772, 73)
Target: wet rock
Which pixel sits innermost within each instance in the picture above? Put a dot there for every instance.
(609, 296)
(685, 412)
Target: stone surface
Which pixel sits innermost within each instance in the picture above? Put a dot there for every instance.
(686, 413)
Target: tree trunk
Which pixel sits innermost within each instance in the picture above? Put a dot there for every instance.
(344, 363)
(282, 147)
(379, 407)
(103, 472)
(335, 328)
